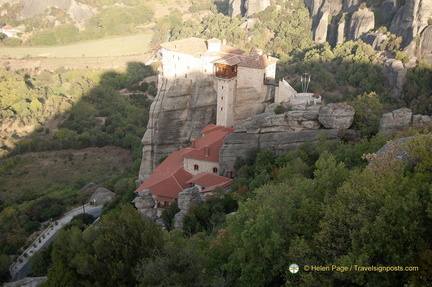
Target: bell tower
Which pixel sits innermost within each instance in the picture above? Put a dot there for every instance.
(226, 80)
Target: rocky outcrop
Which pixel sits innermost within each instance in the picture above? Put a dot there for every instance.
(239, 143)
(426, 45)
(376, 40)
(101, 196)
(300, 118)
(255, 6)
(145, 204)
(77, 11)
(186, 199)
(247, 8)
(395, 76)
(236, 7)
(336, 116)
(395, 120)
(361, 22)
(421, 120)
(179, 112)
(411, 19)
(320, 32)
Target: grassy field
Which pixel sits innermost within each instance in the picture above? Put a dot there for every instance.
(37, 172)
(131, 45)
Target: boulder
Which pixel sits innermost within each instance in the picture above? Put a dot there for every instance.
(186, 198)
(101, 196)
(145, 204)
(336, 116)
(395, 120)
(421, 120)
(395, 76)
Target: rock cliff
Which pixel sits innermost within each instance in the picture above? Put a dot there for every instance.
(247, 8)
(335, 19)
(283, 132)
(77, 11)
(179, 112)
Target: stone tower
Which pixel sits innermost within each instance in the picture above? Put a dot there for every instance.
(226, 81)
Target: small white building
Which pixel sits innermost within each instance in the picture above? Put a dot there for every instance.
(239, 80)
(286, 94)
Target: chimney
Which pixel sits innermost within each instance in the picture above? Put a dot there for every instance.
(193, 143)
(207, 150)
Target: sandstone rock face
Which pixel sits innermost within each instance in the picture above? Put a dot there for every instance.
(411, 19)
(426, 45)
(239, 143)
(186, 198)
(255, 6)
(421, 120)
(77, 11)
(336, 116)
(320, 33)
(179, 112)
(101, 196)
(301, 117)
(246, 7)
(361, 22)
(145, 204)
(236, 7)
(395, 120)
(376, 40)
(395, 76)
(389, 9)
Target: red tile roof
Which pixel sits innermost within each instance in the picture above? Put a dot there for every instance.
(210, 181)
(207, 148)
(170, 178)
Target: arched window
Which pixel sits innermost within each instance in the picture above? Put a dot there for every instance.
(196, 167)
(215, 170)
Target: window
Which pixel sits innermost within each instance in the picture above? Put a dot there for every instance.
(222, 98)
(215, 170)
(221, 108)
(186, 76)
(196, 167)
(222, 87)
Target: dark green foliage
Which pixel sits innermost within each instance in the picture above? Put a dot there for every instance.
(106, 254)
(81, 221)
(40, 262)
(31, 226)
(210, 215)
(169, 213)
(45, 208)
(337, 217)
(173, 266)
(5, 262)
(368, 112)
(417, 92)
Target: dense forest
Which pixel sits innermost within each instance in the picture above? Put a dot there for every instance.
(333, 203)
(322, 205)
